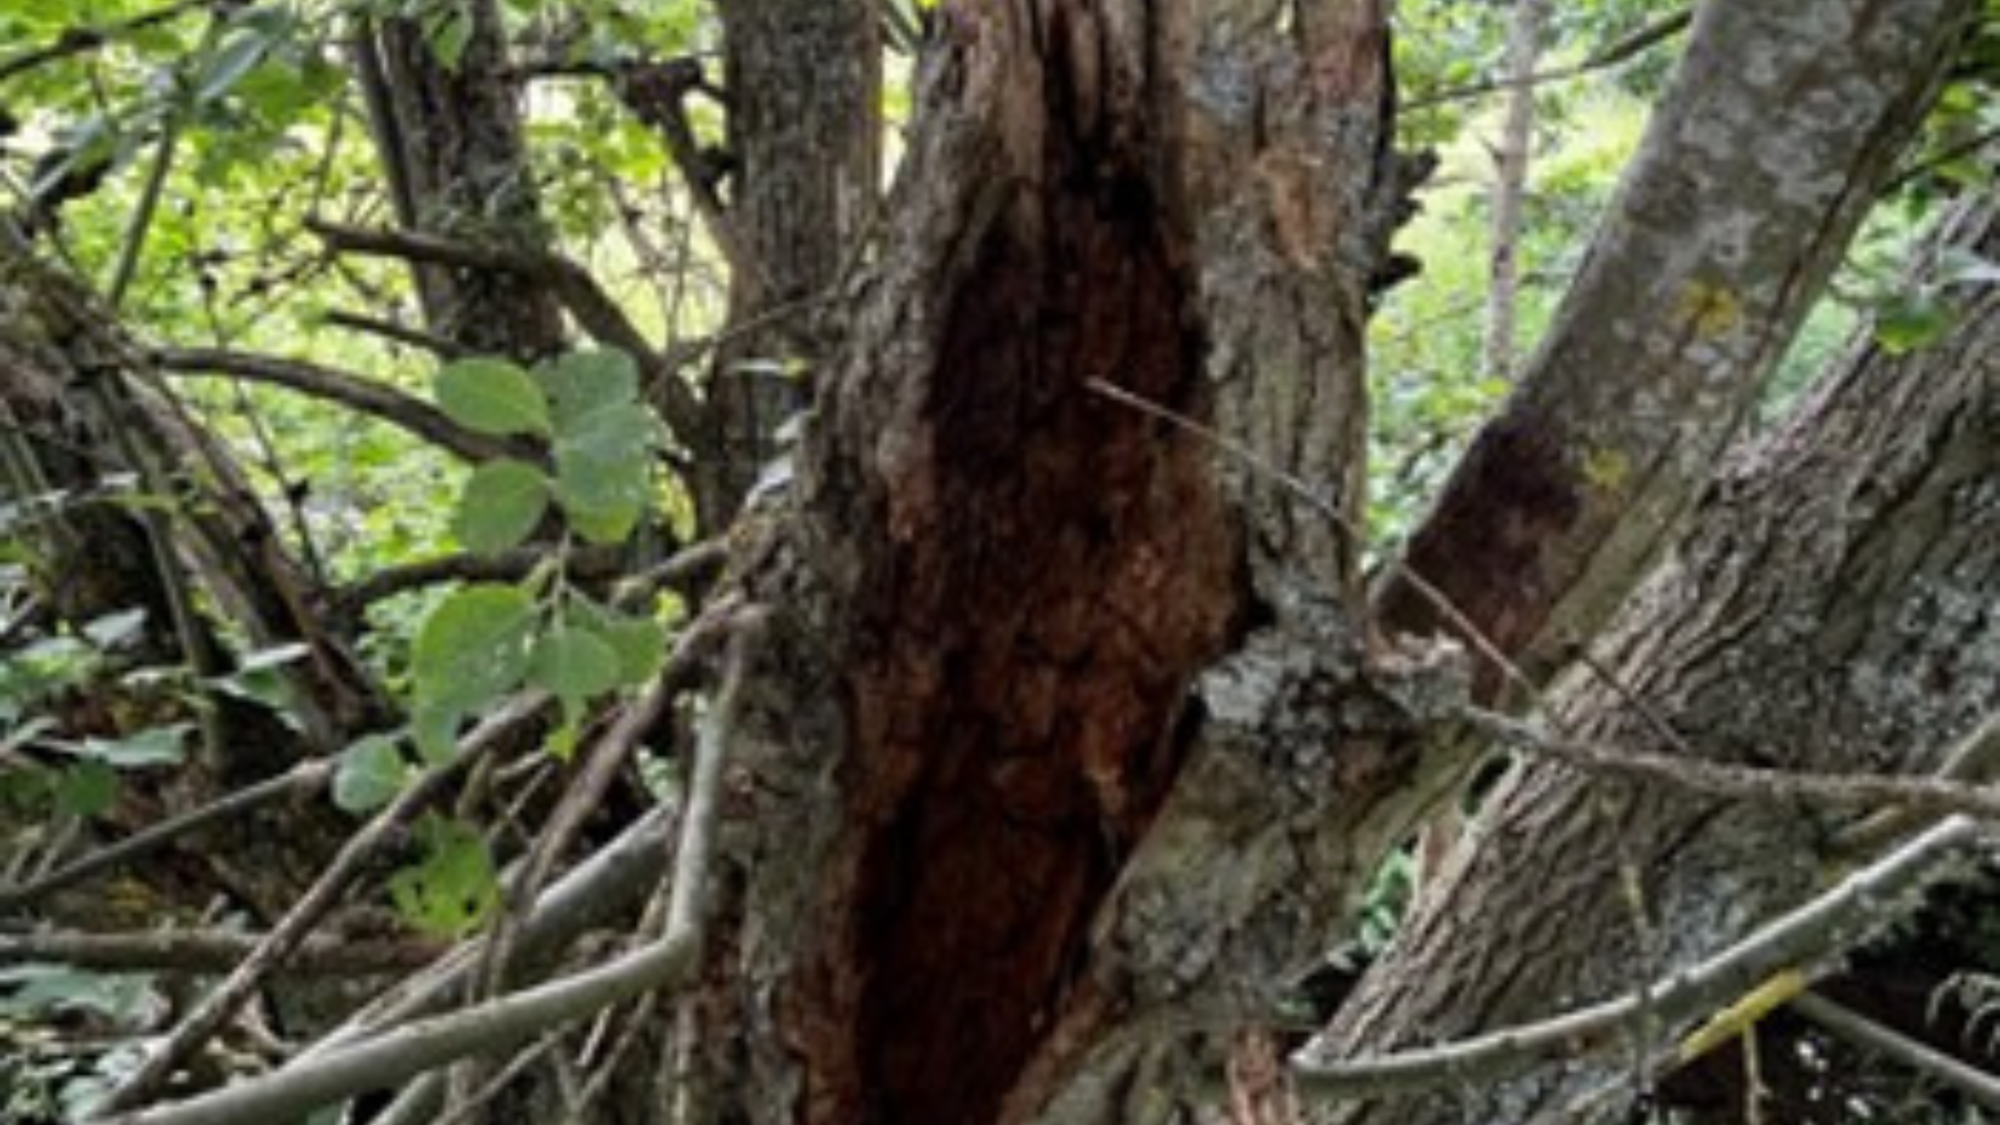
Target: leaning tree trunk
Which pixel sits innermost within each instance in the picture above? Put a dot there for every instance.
(83, 408)
(995, 585)
(1835, 611)
(1782, 123)
(130, 505)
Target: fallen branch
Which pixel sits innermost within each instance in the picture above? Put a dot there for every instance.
(398, 1055)
(1832, 922)
(302, 780)
(212, 951)
(222, 1004)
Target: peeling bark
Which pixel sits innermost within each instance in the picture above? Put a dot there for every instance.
(1834, 611)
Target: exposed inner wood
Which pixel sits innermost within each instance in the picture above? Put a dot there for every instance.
(1015, 726)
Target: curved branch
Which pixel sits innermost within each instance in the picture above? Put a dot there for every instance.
(579, 292)
(362, 395)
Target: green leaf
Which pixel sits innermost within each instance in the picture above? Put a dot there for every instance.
(87, 788)
(115, 629)
(238, 56)
(36, 989)
(603, 470)
(434, 730)
(448, 32)
(492, 396)
(581, 383)
(473, 647)
(370, 774)
(1912, 321)
(155, 746)
(502, 503)
(640, 642)
(454, 887)
(573, 663)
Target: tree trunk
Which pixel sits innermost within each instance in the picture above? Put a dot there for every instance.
(1510, 186)
(805, 87)
(85, 409)
(1834, 611)
(449, 134)
(959, 822)
(1759, 163)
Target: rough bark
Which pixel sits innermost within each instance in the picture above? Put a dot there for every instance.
(976, 768)
(1781, 124)
(805, 86)
(89, 409)
(1834, 611)
(1510, 186)
(450, 139)
(85, 424)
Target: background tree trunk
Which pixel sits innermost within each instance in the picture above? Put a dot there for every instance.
(449, 134)
(1834, 611)
(805, 136)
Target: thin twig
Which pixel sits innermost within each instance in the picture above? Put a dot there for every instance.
(397, 1055)
(81, 39)
(1829, 923)
(1920, 795)
(573, 285)
(1439, 601)
(142, 217)
(442, 347)
(302, 780)
(219, 1006)
(1610, 55)
(1863, 1032)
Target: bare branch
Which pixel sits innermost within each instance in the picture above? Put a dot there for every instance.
(440, 346)
(1863, 1032)
(301, 780)
(505, 566)
(212, 951)
(220, 1005)
(1832, 922)
(364, 395)
(593, 781)
(1914, 795)
(579, 292)
(671, 962)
